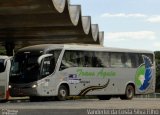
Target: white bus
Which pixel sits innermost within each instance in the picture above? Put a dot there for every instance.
(5, 64)
(53, 70)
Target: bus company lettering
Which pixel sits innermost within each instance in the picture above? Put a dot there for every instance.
(102, 73)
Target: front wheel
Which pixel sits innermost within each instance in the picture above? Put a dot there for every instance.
(62, 93)
(129, 93)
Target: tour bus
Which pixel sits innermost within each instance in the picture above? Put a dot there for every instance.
(62, 70)
(5, 64)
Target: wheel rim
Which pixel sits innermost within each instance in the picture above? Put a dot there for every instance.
(130, 92)
(63, 93)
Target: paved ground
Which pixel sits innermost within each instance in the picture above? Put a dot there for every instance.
(79, 105)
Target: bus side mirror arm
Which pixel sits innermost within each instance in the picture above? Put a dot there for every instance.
(42, 57)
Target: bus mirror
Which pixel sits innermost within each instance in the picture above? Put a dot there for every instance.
(43, 56)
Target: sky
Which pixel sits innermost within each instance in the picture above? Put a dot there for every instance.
(133, 24)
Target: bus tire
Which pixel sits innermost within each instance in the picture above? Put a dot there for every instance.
(34, 98)
(129, 93)
(62, 93)
(3, 101)
(104, 97)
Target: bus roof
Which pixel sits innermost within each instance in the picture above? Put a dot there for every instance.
(87, 47)
(4, 57)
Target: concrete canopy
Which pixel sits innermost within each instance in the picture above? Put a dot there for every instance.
(31, 22)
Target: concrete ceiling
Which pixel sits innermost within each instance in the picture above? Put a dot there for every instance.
(30, 22)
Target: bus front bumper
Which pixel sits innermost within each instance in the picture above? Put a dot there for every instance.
(21, 92)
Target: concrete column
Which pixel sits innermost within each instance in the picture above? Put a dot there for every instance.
(9, 46)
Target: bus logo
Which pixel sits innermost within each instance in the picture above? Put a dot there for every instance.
(144, 74)
(73, 79)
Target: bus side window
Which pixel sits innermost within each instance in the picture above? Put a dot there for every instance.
(65, 59)
(94, 61)
(150, 56)
(88, 59)
(85, 59)
(2, 66)
(124, 60)
(50, 62)
(52, 65)
(79, 58)
(116, 60)
(120, 60)
(127, 60)
(140, 59)
(134, 60)
(70, 60)
(48, 65)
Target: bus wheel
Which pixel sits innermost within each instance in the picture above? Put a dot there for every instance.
(34, 98)
(3, 101)
(104, 97)
(62, 93)
(129, 93)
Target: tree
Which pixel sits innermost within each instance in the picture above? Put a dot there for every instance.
(157, 58)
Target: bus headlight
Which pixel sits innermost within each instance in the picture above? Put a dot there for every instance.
(9, 86)
(34, 86)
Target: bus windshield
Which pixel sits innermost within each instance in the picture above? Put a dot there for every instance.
(25, 67)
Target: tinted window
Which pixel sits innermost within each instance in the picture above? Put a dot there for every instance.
(121, 60)
(150, 57)
(2, 67)
(101, 59)
(84, 59)
(134, 60)
(49, 63)
(25, 67)
(140, 58)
